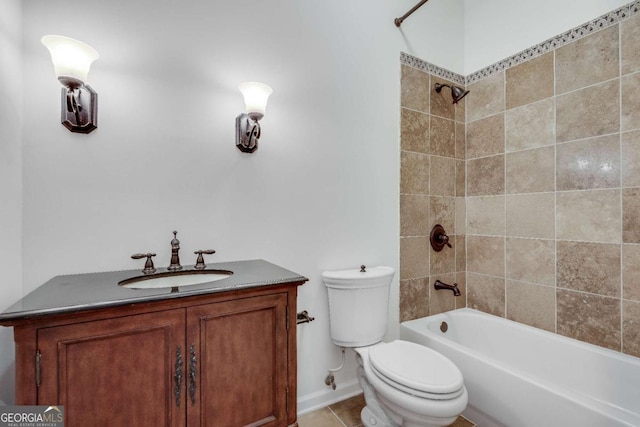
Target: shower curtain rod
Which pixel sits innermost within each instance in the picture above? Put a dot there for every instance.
(398, 21)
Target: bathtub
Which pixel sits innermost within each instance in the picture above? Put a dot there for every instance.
(519, 376)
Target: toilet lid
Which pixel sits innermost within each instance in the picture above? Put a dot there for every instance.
(416, 369)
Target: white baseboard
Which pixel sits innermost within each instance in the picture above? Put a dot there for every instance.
(320, 399)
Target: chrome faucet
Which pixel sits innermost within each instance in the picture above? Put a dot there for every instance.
(439, 285)
(175, 258)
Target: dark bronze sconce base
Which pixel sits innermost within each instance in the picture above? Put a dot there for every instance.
(248, 132)
(79, 112)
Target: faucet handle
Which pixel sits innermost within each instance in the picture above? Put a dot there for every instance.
(148, 265)
(200, 265)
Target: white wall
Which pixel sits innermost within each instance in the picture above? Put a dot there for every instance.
(10, 181)
(320, 193)
(497, 29)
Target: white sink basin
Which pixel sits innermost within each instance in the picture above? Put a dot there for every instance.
(175, 279)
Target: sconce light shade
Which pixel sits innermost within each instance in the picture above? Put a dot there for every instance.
(72, 60)
(255, 95)
(247, 124)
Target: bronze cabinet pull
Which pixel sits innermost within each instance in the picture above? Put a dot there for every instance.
(192, 373)
(178, 376)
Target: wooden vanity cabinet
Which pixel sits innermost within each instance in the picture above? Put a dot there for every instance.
(223, 360)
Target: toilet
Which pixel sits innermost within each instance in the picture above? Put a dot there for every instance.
(405, 384)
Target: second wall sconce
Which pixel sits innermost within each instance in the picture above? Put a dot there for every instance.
(72, 60)
(247, 124)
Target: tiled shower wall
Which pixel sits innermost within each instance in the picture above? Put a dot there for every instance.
(431, 192)
(552, 193)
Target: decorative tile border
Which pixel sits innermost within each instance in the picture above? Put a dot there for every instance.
(427, 67)
(567, 37)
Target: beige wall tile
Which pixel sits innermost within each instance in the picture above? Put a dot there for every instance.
(443, 262)
(590, 215)
(630, 117)
(461, 215)
(592, 111)
(589, 60)
(486, 215)
(443, 137)
(485, 254)
(461, 178)
(461, 280)
(485, 176)
(531, 260)
(531, 215)
(414, 131)
(414, 89)
(486, 293)
(485, 137)
(414, 215)
(630, 44)
(533, 305)
(486, 97)
(414, 299)
(443, 212)
(591, 318)
(590, 163)
(460, 247)
(630, 167)
(414, 257)
(414, 173)
(441, 300)
(589, 267)
(631, 272)
(530, 171)
(443, 176)
(530, 81)
(530, 126)
(461, 151)
(631, 215)
(631, 328)
(461, 109)
(441, 103)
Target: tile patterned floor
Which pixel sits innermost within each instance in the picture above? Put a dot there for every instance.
(347, 414)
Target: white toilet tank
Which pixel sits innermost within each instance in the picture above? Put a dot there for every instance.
(358, 304)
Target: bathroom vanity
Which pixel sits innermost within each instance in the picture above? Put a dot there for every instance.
(212, 354)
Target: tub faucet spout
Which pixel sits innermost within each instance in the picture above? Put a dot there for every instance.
(439, 285)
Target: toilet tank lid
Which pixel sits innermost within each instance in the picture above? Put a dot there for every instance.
(372, 276)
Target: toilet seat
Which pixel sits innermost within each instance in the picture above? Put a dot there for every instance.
(416, 370)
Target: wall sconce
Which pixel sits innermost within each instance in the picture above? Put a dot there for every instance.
(247, 126)
(72, 60)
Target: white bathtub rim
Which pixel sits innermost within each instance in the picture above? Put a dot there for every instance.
(606, 409)
(592, 347)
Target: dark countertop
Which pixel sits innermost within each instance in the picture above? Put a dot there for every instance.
(69, 293)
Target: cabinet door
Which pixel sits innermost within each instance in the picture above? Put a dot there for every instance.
(116, 372)
(241, 352)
